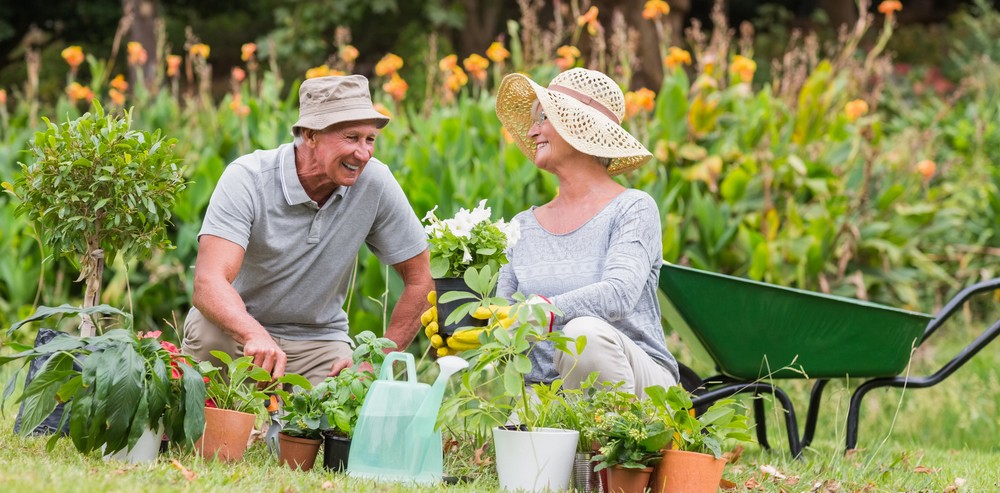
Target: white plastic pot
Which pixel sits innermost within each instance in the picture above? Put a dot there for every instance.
(145, 450)
(540, 460)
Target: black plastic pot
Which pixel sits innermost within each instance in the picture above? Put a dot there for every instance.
(336, 451)
(447, 284)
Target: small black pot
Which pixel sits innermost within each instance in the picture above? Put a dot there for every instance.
(336, 451)
(447, 284)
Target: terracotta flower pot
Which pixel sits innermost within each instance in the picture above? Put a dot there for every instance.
(226, 434)
(296, 452)
(625, 480)
(688, 472)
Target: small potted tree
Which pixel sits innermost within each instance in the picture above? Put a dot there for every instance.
(234, 403)
(694, 461)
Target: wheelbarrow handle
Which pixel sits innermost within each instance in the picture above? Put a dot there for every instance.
(957, 302)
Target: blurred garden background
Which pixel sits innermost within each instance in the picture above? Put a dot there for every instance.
(840, 147)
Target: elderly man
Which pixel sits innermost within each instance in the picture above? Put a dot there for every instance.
(281, 233)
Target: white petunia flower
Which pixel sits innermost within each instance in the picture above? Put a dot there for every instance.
(466, 257)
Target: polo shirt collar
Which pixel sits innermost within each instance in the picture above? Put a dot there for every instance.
(290, 184)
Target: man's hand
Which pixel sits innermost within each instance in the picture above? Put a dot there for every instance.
(266, 354)
(339, 365)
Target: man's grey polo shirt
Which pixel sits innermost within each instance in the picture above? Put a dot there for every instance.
(299, 257)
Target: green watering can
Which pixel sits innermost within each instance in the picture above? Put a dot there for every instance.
(395, 439)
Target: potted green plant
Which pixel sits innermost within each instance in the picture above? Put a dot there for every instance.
(235, 401)
(116, 387)
(304, 421)
(345, 394)
(632, 437)
(533, 454)
(470, 240)
(694, 462)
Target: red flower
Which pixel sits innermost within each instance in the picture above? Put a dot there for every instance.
(210, 403)
(169, 347)
(153, 334)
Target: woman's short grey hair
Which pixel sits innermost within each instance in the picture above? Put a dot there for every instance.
(605, 161)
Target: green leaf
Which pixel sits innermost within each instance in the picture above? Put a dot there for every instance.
(194, 403)
(512, 381)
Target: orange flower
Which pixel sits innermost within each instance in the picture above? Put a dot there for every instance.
(889, 7)
(200, 49)
(855, 109)
(388, 65)
(321, 71)
(743, 68)
(379, 107)
(136, 53)
(926, 168)
(238, 107)
(567, 56)
(655, 9)
(173, 65)
(396, 87)
(238, 74)
(73, 56)
(456, 79)
(476, 65)
(677, 56)
(590, 20)
(247, 51)
(447, 63)
(348, 53)
(76, 92)
(3, 96)
(119, 83)
(116, 97)
(497, 52)
(641, 100)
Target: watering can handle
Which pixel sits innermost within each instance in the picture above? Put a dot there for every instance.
(387, 373)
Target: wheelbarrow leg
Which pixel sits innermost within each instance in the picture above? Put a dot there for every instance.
(812, 415)
(761, 418)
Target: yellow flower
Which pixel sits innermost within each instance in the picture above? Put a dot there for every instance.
(136, 53)
(238, 74)
(348, 53)
(76, 92)
(889, 7)
(476, 65)
(379, 107)
(497, 52)
(247, 51)
(200, 49)
(173, 65)
(743, 68)
(321, 71)
(456, 79)
(855, 109)
(116, 97)
(396, 87)
(677, 56)
(447, 63)
(641, 100)
(388, 65)
(567, 56)
(119, 83)
(589, 19)
(73, 56)
(654, 9)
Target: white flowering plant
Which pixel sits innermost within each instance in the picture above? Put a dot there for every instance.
(470, 239)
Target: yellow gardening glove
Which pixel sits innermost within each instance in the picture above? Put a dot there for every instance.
(429, 320)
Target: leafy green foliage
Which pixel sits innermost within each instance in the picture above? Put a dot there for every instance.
(235, 385)
(342, 396)
(125, 384)
(95, 183)
(630, 431)
(468, 241)
(705, 433)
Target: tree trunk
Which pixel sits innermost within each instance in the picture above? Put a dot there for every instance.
(93, 273)
(145, 17)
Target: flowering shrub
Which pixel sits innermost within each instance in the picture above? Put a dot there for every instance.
(629, 430)
(469, 239)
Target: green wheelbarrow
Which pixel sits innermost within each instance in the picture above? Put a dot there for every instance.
(757, 334)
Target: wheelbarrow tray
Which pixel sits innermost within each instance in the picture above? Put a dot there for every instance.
(753, 329)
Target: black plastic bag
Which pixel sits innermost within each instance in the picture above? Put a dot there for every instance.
(50, 424)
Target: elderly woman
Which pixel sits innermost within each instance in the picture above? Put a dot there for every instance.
(594, 251)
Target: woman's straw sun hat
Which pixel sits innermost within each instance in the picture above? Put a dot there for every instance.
(584, 106)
